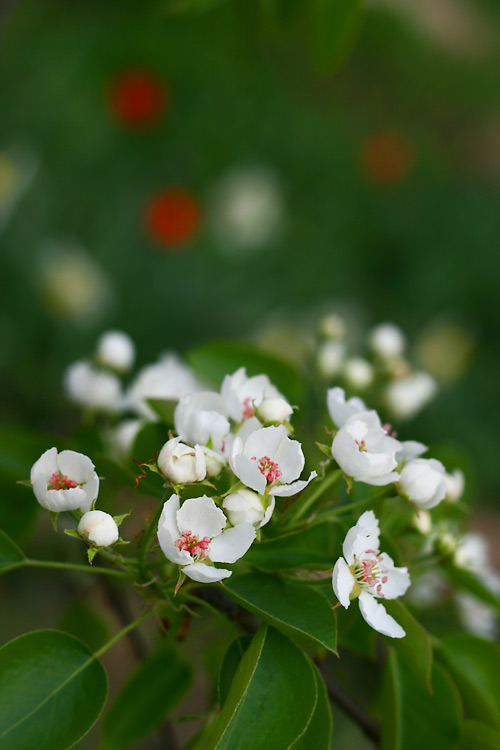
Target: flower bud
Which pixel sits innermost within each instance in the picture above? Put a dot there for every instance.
(407, 396)
(115, 350)
(98, 528)
(181, 463)
(455, 484)
(214, 462)
(423, 482)
(387, 341)
(274, 409)
(422, 522)
(244, 506)
(330, 358)
(358, 373)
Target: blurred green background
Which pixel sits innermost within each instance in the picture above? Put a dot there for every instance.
(384, 174)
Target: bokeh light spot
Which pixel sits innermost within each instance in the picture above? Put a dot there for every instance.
(387, 157)
(173, 217)
(137, 98)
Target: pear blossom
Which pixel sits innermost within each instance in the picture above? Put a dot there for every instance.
(99, 529)
(121, 438)
(274, 409)
(246, 506)
(96, 389)
(341, 409)
(181, 463)
(364, 451)
(214, 461)
(423, 482)
(169, 379)
(194, 536)
(64, 481)
(330, 358)
(358, 373)
(116, 350)
(387, 341)
(406, 396)
(455, 485)
(201, 419)
(243, 395)
(367, 574)
(268, 461)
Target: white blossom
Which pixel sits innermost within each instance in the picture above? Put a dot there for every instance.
(405, 397)
(387, 341)
(364, 451)
(455, 485)
(274, 409)
(168, 379)
(98, 528)
(410, 449)
(472, 553)
(269, 462)
(64, 481)
(194, 536)
(116, 350)
(423, 482)
(96, 389)
(201, 419)
(341, 409)
(358, 373)
(245, 506)
(332, 326)
(243, 395)
(181, 463)
(330, 358)
(365, 573)
(121, 438)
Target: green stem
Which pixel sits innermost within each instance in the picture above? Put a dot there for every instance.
(346, 508)
(77, 567)
(320, 489)
(146, 539)
(123, 632)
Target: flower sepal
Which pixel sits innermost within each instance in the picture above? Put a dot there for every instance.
(180, 581)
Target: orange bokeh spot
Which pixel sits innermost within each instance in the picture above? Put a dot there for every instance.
(173, 217)
(387, 157)
(137, 98)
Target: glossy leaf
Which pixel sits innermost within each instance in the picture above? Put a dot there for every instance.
(478, 736)
(415, 649)
(333, 27)
(164, 408)
(10, 555)
(470, 582)
(319, 731)
(84, 621)
(315, 547)
(52, 690)
(294, 608)
(230, 664)
(150, 693)
(412, 718)
(264, 707)
(475, 667)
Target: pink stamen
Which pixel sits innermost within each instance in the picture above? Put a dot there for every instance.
(248, 410)
(60, 481)
(361, 445)
(388, 430)
(190, 543)
(268, 468)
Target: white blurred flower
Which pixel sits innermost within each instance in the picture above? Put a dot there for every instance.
(407, 396)
(455, 485)
(181, 463)
(64, 481)
(122, 437)
(245, 506)
(422, 522)
(332, 326)
(195, 536)
(99, 529)
(115, 350)
(367, 574)
(269, 462)
(358, 373)
(168, 379)
(476, 616)
(243, 395)
(201, 419)
(330, 358)
(96, 389)
(247, 209)
(423, 482)
(364, 451)
(341, 409)
(387, 341)
(472, 553)
(410, 449)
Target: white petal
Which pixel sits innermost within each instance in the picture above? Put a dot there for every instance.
(232, 543)
(45, 466)
(359, 540)
(343, 582)
(377, 617)
(287, 490)
(201, 517)
(398, 579)
(205, 573)
(290, 460)
(249, 473)
(339, 409)
(369, 521)
(269, 512)
(75, 466)
(200, 463)
(168, 516)
(171, 552)
(59, 500)
(91, 490)
(265, 442)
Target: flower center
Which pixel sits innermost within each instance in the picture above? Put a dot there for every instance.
(248, 410)
(60, 481)
(361, 445)
(369, 573)
(268, 468)
(197, 548)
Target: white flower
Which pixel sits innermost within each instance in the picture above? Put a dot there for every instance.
(330, 358)
(64, 481)
(455, 485)
(168, 379)
(181, 463)
(332, 326)
(201, 418)
(98, 528)
(358, 373)
(121, 438)
(193, 536)
(274, 409)
(339, 409)
(387, 341)
(268, 461)
(214, 460)
(93, 388)
(115, 350)
(245, 506)
(364, 451)
(365, 573)
(407, 396)
(410, 449)
(423, 482)
(243, 395)
(472, 553)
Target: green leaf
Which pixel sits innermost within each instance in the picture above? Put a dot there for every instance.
(478, 736)
(74, 533)
(91, 553)
(294, 608)
(119, 519)
(412, 718)
(214, 361)
(314, 547)
(165, 409)
(264, 708)
(333, 26)
(469, 581)
(319, 731)
(52, 690)
(281, 14)
(84, 621)
(157, 685)
(415, 649)
(229, 666)
(10, 555)
(475, 666)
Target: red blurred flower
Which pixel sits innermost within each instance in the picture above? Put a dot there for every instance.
(387, 157)
(137, 98)
(173, 217)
